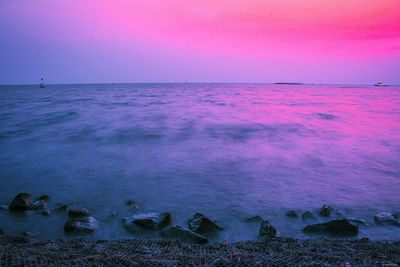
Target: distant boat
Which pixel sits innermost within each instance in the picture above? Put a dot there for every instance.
(42, 83)
(380, 84)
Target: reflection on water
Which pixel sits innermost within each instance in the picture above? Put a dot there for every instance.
(229, 151)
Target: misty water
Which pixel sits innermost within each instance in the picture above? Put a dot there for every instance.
(229, 151)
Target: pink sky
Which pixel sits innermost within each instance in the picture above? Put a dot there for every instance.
(347, 41)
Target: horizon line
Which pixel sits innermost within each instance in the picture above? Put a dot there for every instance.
(117, 83)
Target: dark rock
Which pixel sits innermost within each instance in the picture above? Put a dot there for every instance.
(325, 211)
(183, 234)
(151, 220)
(61, 207)
(44, 198)
(335, 228)
(22, 201)
(292, 214)
(201, 224)
(256, 218)
(132, 204)
(81, 225)
(267, 230)
(38, 204)
(386, 218)
(357, 221)
(1, 232)
(364, 239)
(78, 213)
(308, 216)
(46, 212)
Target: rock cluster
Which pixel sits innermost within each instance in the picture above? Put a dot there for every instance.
(199, 227)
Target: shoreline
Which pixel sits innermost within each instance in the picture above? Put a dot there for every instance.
(22, 251)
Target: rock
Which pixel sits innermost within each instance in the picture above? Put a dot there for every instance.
(357, 221)
(325, 211)
(151, 220)
(339, 228)
(386, 218)
(78, 213)
(22, 201)
(292, 214)
(132, 204)
(256, 218)
(267, 230)
(81, 225)
(38, 204)
(364, 239)
(1, 232)
(46, 212)
(183, 234)
(61, 207)
(308, 216)
(201, 224)
(44, 198)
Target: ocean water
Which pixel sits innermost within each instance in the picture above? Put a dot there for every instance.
(229, 151)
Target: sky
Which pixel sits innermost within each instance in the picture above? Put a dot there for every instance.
(312, 41)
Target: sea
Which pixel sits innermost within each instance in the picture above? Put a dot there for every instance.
(229, 151)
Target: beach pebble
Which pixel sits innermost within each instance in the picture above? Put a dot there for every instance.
(201, 224)
(78, 213)
(22, 201)
(151, 220)
(184, 234)
(267, 230)
(308, 216)
(81, 225)
(386, 218)
(325, 211)
(292, 214)
(339, 228)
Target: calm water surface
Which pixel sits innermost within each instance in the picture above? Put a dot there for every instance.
(228, 151)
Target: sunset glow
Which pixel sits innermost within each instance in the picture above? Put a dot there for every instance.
(258, 37)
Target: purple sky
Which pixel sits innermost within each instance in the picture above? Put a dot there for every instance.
(87, 41)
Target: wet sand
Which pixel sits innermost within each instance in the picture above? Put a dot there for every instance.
(21, 251)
